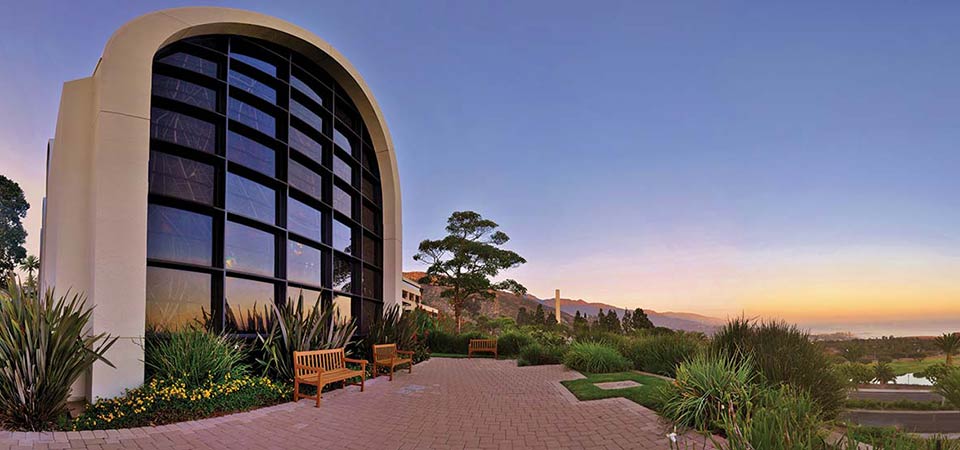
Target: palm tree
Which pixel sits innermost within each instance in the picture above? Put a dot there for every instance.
(30, 265)
(949, 344)
(883, 373)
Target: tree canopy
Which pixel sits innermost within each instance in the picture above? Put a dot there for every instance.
(465, 261)
(13, 209)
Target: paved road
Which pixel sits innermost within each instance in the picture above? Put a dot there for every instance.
(888, 395)
(914, 421)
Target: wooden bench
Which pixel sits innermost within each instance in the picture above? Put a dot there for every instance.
(386, 355)
(322, 367)
(482, 345)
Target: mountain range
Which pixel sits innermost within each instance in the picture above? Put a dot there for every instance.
(508, 304)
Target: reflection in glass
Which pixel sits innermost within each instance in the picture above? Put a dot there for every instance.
(371, 283)
(311, 297)
(306, 145)
(185, 92)
(306, 180)
(346, 116)
(248, 84)
(371, 250)
(248, 249)
(252, 117)
(303, 219)
(192, 63)
(366, 186)
(343, 307)
(342, 274)
(342, 141)
(247, 305)
(178, 177)
(305, 114)
(177, 235)
(251, 199)
(299, 85)
(342, 237)
(257, 63)
(303, 263)
(250, 153)
(342, 170)
(370, 219)
(183, 130)
(177, 299)
(342, 201)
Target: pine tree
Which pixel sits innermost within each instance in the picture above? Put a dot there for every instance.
(539, 317)
(522, 317)
(579, 321)
(640, 320)
(627, 321)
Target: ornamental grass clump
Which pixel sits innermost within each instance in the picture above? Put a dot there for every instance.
(594, 357)
(511, 342)
(193, 356)
(662, 353)
(44, 348)
(705, 387)
(779, 419)
(537, 354)
(408, 330)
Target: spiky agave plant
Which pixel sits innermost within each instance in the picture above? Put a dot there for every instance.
(44, 348)
(299, 328)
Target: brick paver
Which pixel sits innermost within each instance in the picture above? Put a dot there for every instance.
(444, 404)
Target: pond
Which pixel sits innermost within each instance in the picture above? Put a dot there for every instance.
(911, 380)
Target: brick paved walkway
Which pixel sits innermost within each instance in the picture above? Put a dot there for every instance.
(444, 404)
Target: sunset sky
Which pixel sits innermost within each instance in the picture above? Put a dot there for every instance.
(796, 161)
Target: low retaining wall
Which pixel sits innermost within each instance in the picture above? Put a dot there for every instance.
(912, 421)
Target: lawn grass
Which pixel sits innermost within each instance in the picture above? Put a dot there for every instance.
(646, 395)
(905, 366)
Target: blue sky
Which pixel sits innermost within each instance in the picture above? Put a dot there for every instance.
(707, 156)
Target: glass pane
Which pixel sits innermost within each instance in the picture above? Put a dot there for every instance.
(371, 219)
(310, 297)
(185, 92)
(342, 201)
(303, 263)
(251, 153)
(307, 90)
(248, 84)
(192, 63)
(177, 235)
(348, 117)
(252, 117)
(248, 249)
(342, 237)
(251, 199)
(342, 141)
(177, 299)
(368, 189)
(371, 283)
(305, 114)
(303, 220)
(181, 178)
(368, 159)
(371, 250)
(305, 180)
(306, 145)
(342, 274)
(183, 130)
(256, 63)
(343, 307)
(342, 170)
(247, 305)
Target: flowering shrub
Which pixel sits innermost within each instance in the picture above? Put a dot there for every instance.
(166, 401)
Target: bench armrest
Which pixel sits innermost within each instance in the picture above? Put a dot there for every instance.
(362, 362)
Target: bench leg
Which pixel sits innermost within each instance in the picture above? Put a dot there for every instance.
(391, 372)
(296, 390)
(410, 370)
(363, 380)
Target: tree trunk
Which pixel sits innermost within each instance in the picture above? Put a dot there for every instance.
(456, 315)
(949, 359)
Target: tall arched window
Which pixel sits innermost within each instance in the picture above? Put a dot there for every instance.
(263, 185)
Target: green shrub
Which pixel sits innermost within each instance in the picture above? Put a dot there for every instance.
(192, 356)
(546, 337)
(396, 327)
(164, 401)
(441, 342)
(296, 327)
(536, 354)
(511, 342)
(948, 385)
(705, 387)
(783, 354)
(662, 353)
(593, 357)
(44, 348)
(779, 419)
(935, 372)
(617, 341)
(854, 373)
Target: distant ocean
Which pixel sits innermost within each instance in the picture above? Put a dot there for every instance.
(897, 328)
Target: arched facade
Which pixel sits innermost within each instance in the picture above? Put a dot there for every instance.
(95, 236)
